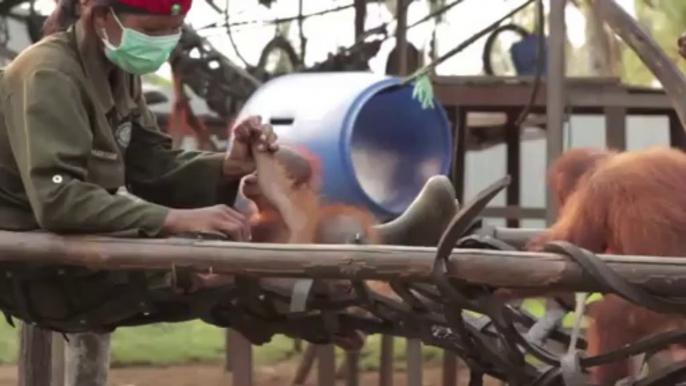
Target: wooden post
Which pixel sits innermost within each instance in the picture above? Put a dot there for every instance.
(386, 361)
(352, 373)
(58, 347)
(401, 36)
(514, 146)
(241, 359)
(677, 136)
(414, 362)
(305, 365)
(87, 360)
(360, 18)
(228, 366)
(35, 356)
(555, 93)
(449, 369)
(326, 360)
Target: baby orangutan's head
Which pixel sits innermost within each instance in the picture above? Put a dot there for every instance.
(288, 170)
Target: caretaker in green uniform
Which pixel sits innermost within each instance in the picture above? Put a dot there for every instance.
(75, 128)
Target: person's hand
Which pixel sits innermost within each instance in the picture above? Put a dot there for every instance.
(239, 159)
(219, 219)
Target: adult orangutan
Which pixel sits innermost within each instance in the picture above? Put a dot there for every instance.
(565, 175)
(631, 204)
(563, 178)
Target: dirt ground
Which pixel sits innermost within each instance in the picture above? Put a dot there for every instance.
(212, 374)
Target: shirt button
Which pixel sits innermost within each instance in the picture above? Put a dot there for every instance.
(57, 179)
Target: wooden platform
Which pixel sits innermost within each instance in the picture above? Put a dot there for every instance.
(483, 111)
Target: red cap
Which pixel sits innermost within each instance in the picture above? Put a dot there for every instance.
(156, 7)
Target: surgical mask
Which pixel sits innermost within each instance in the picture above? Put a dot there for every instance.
(139, 53)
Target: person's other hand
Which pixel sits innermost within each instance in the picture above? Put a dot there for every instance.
(219, 219)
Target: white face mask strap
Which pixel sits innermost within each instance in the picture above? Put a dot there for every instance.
(104, 31)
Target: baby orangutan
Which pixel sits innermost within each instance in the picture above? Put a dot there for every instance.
(286, 193)
(289, 210)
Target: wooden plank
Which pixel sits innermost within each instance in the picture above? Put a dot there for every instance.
(34, 356)
(500, 97)
(514, 212)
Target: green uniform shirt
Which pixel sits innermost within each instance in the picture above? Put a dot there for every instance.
(74, 129)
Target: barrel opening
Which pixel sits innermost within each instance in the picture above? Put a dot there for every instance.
(396, 146)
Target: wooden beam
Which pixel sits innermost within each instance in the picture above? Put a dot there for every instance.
(555, 105)
(366, 262)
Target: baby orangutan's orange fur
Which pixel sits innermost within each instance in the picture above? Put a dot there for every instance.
(631, 204)
(286, 192)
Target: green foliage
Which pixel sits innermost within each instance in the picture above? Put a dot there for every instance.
(423, 91)
(176, 343)
(666, 21)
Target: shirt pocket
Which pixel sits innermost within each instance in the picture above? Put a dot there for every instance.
(105, 169)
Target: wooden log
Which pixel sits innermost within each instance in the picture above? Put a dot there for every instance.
(87, 360)
(664, 69)
(661, 275)
(35, 356)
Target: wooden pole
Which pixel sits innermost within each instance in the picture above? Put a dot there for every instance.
(241, 359)
(401, 36)
(87, 360)
(360, 18)
(386, 361)
(58, 348)
(414, 362)
(555, 93)
(35, 359)
(366, 262)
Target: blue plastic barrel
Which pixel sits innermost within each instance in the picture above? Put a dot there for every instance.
(377, 145)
